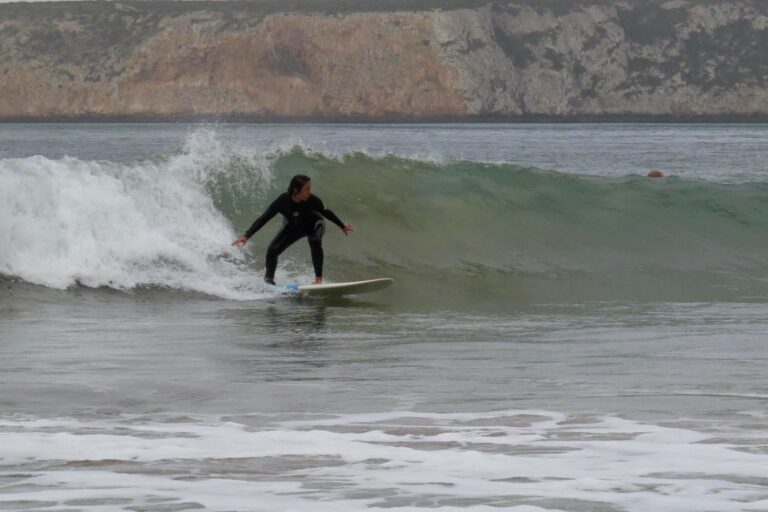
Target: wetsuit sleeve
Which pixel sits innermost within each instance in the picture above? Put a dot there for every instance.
(265, 217)
(328, 214)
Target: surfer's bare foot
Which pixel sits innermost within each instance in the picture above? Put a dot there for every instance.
(318, 280)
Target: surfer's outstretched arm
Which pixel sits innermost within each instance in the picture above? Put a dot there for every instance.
(328, 214)
(265, 217)
(346, 228)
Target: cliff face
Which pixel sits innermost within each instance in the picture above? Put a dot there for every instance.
(247, 59)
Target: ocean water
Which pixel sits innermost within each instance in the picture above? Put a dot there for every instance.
(563, 334)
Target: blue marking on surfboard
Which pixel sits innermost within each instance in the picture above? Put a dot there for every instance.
(293, 287)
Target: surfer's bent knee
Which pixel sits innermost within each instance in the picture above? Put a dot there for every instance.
(316, 231)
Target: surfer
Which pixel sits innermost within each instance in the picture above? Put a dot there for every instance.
(302, 216)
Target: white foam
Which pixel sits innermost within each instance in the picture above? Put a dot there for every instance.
(517, 460)
(97, 223)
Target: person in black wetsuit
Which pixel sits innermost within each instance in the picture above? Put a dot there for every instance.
(303, 216)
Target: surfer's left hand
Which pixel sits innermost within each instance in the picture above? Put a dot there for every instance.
(348, 228)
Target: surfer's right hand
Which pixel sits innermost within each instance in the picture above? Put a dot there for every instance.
(241, 241)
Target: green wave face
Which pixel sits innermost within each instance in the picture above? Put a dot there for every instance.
(456, 235)
(471, 233)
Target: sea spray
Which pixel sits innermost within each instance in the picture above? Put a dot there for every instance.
(67, 222)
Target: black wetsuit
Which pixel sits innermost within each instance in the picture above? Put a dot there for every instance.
(301, 219)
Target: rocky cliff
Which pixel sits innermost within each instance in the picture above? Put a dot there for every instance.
(391, 60)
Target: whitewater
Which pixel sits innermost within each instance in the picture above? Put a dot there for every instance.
(564, 333)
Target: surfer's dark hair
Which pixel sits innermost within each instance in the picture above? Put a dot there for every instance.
(297, 183)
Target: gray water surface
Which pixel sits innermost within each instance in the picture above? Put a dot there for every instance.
(164, 399)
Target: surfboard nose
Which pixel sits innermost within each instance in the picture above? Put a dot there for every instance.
(348, 288)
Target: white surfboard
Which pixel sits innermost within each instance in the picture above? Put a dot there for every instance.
(352, 288)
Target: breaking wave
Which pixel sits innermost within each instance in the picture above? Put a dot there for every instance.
(450, 232)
